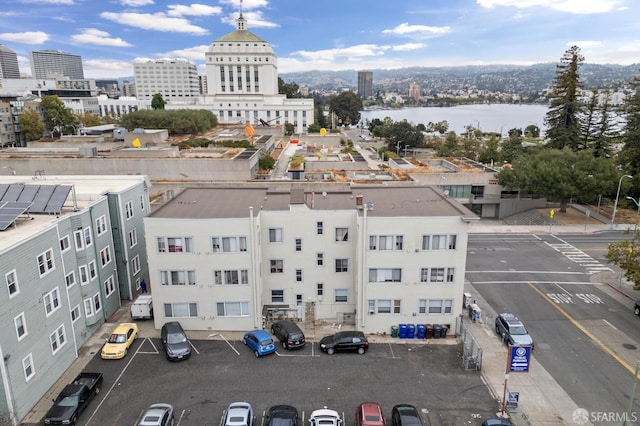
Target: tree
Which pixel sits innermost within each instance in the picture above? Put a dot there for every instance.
(31, 125)
(563, 118)
(604, 133)
(320, 117)
(450, 147)
(404, 135)
(266, 162)
(88, 120)
(532, 131)
(158, 102)
(512, 146)
(489, 153)
(561, 175)
(626, 254)
(347, 106)
(58, 117)
(630, 155)
(289, 89)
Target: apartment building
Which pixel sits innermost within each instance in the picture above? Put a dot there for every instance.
(51, 63)
(70, 248)
(8, 63)
(365, 84)
(220, 257)
(175, 79)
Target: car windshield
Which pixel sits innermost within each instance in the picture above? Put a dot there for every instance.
(117, 338)
(372, 418)
(172, 339)
(67, 401)
(326, 421)
(517, 330)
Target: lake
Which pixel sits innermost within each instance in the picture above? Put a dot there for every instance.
(499, 118)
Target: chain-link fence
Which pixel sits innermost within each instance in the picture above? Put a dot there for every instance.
(471, 349)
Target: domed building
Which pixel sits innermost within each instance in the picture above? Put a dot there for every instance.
(242, 84)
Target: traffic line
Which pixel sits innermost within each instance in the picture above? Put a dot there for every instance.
(590, 335)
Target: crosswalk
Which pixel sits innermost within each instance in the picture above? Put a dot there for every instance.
(578, 256)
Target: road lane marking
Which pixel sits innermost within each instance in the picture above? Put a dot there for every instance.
(590, 335)
(609, 324)
(526, 272)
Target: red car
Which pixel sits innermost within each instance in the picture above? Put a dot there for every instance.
(369, 414)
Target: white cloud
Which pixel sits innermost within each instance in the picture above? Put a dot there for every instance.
(418, 30)
(254, 20)
(360, 50)
(582, 44)
(135, 3)
(408, 46)
(32, 37)
(154, 21)
(246, 4)
(106, 68)
(194, 54)
(98, 37)
(568, 6)
(193, 10)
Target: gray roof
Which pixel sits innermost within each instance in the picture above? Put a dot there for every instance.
(243, 36)
(383, 200)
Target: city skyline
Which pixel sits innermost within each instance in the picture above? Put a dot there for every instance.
(353, 35)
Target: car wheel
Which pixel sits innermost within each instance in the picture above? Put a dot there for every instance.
(284, 344)
(97, 391)
(257, 354)
(73, 420)
(331, 351)
(361, 351)
(497, 330)
(637, 310)
(126, 351)
(244, 340)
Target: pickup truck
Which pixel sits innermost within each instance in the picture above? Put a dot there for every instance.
(73, 399)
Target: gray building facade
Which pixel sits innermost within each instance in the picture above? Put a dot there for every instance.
(46, 63)
(8, 63)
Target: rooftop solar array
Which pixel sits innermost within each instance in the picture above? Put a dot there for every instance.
(357, 156)
(10, 211)
(40, 198)
(246, 154)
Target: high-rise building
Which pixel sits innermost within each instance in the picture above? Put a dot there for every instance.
(8, 63)
(365, 84)
(174, 79)
(50, 63)
(414, 91)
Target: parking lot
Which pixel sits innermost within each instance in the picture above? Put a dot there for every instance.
(222, 371)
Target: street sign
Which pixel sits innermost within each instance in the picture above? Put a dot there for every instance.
(519, 357)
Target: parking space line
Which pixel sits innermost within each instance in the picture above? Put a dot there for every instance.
(230, 345)
(181, 416)
(194, 348)
(393, 356)
(145, 352)
(294, 355)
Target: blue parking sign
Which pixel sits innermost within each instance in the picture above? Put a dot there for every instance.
(519, 357)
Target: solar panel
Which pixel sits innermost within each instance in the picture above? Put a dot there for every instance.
(10, 211)
(42, 198)
(3, 189)
(13, 192)
(58, 198)
(29, 193)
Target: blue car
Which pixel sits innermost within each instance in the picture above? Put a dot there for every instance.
(260, 342)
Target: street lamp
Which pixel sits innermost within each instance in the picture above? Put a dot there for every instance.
(398, 148)
(636, 202)
(615, 203)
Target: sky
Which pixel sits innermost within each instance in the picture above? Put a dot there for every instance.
(306, 35)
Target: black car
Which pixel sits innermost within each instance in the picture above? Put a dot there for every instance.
(282, 415)
(345, 341)
(496, 422)
(405, 415)
(289, 334)
(636, 309)
(175, 341)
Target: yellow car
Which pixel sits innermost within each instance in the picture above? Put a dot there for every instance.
(120, 340)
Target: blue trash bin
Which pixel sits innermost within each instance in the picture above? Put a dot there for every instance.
(421, 331)
(403, 331)
(411, 331)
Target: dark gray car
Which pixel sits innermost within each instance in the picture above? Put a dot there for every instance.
(513, 331)
(175, 341)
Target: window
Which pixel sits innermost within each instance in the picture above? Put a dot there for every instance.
(178, 310)
(231, 277)
(27, 367)
(342, 265)
(341, 295)
(385, 242)
(75, 313)
(57, 339)
(277, 296)
(79, 239)
(175, 245)
(437, 275)
(342, 234)
(385, 275)
(96, 303)
(109, 286)
(298, 275)
(45, 262)
(439, 242)
(319, 289)
(178, 277)
(101, 225)
(435, 306)
(133, 238)
(88, 307)
(84, 275)
(228, 244)
(87, 237)
(276, 266)
(93, 273)
(450, 274)
(298, 244)
(70, 279)
(105, 256)
(12, 283)
(21, 326)
(128, 210)
(275, 235)
(142, 202)
(135, 265)
(51, 301)
(232, 309)
(384, 306)
(319, 228)
(64, 243)
(320, 259)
